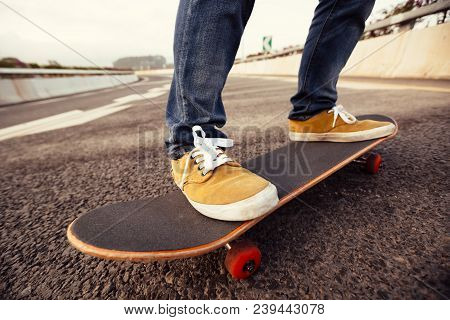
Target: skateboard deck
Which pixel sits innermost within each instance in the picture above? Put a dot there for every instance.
(168, 227)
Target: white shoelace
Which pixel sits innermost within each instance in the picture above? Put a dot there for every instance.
(207, 153)
(346, 116)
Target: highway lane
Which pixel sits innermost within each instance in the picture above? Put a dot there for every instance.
(351, 236)
(20, 113)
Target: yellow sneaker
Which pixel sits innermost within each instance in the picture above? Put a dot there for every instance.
(338, 125)
(219, 187)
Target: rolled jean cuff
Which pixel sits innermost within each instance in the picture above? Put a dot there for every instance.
(176, 152)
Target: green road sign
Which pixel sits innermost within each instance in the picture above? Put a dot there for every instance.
(267, 43)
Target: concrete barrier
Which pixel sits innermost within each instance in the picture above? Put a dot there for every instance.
(18, 90)
(161, 72)
(420, 54)
(7, 89)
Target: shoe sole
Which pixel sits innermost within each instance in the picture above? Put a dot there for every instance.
(344, 136)
(247, 209)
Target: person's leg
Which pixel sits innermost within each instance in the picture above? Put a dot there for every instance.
(336, 28)
(207, 36)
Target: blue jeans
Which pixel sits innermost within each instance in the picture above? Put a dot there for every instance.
(207, 36)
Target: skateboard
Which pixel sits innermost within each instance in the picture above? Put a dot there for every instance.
(168, 227)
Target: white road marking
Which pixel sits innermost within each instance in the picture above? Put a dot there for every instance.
(76, 120)
(94, 92)
(11, 131)
(78, 117)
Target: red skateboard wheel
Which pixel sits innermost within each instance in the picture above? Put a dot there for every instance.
(373, 163)
(243, 259)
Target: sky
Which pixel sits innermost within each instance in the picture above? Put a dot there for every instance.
(103, 31)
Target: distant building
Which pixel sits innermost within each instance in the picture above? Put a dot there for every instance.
(141, 63)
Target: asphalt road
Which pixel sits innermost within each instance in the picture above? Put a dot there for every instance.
(351, 236)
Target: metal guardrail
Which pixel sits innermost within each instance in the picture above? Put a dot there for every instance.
(406, 17)
(57, 72)
(403, 18)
